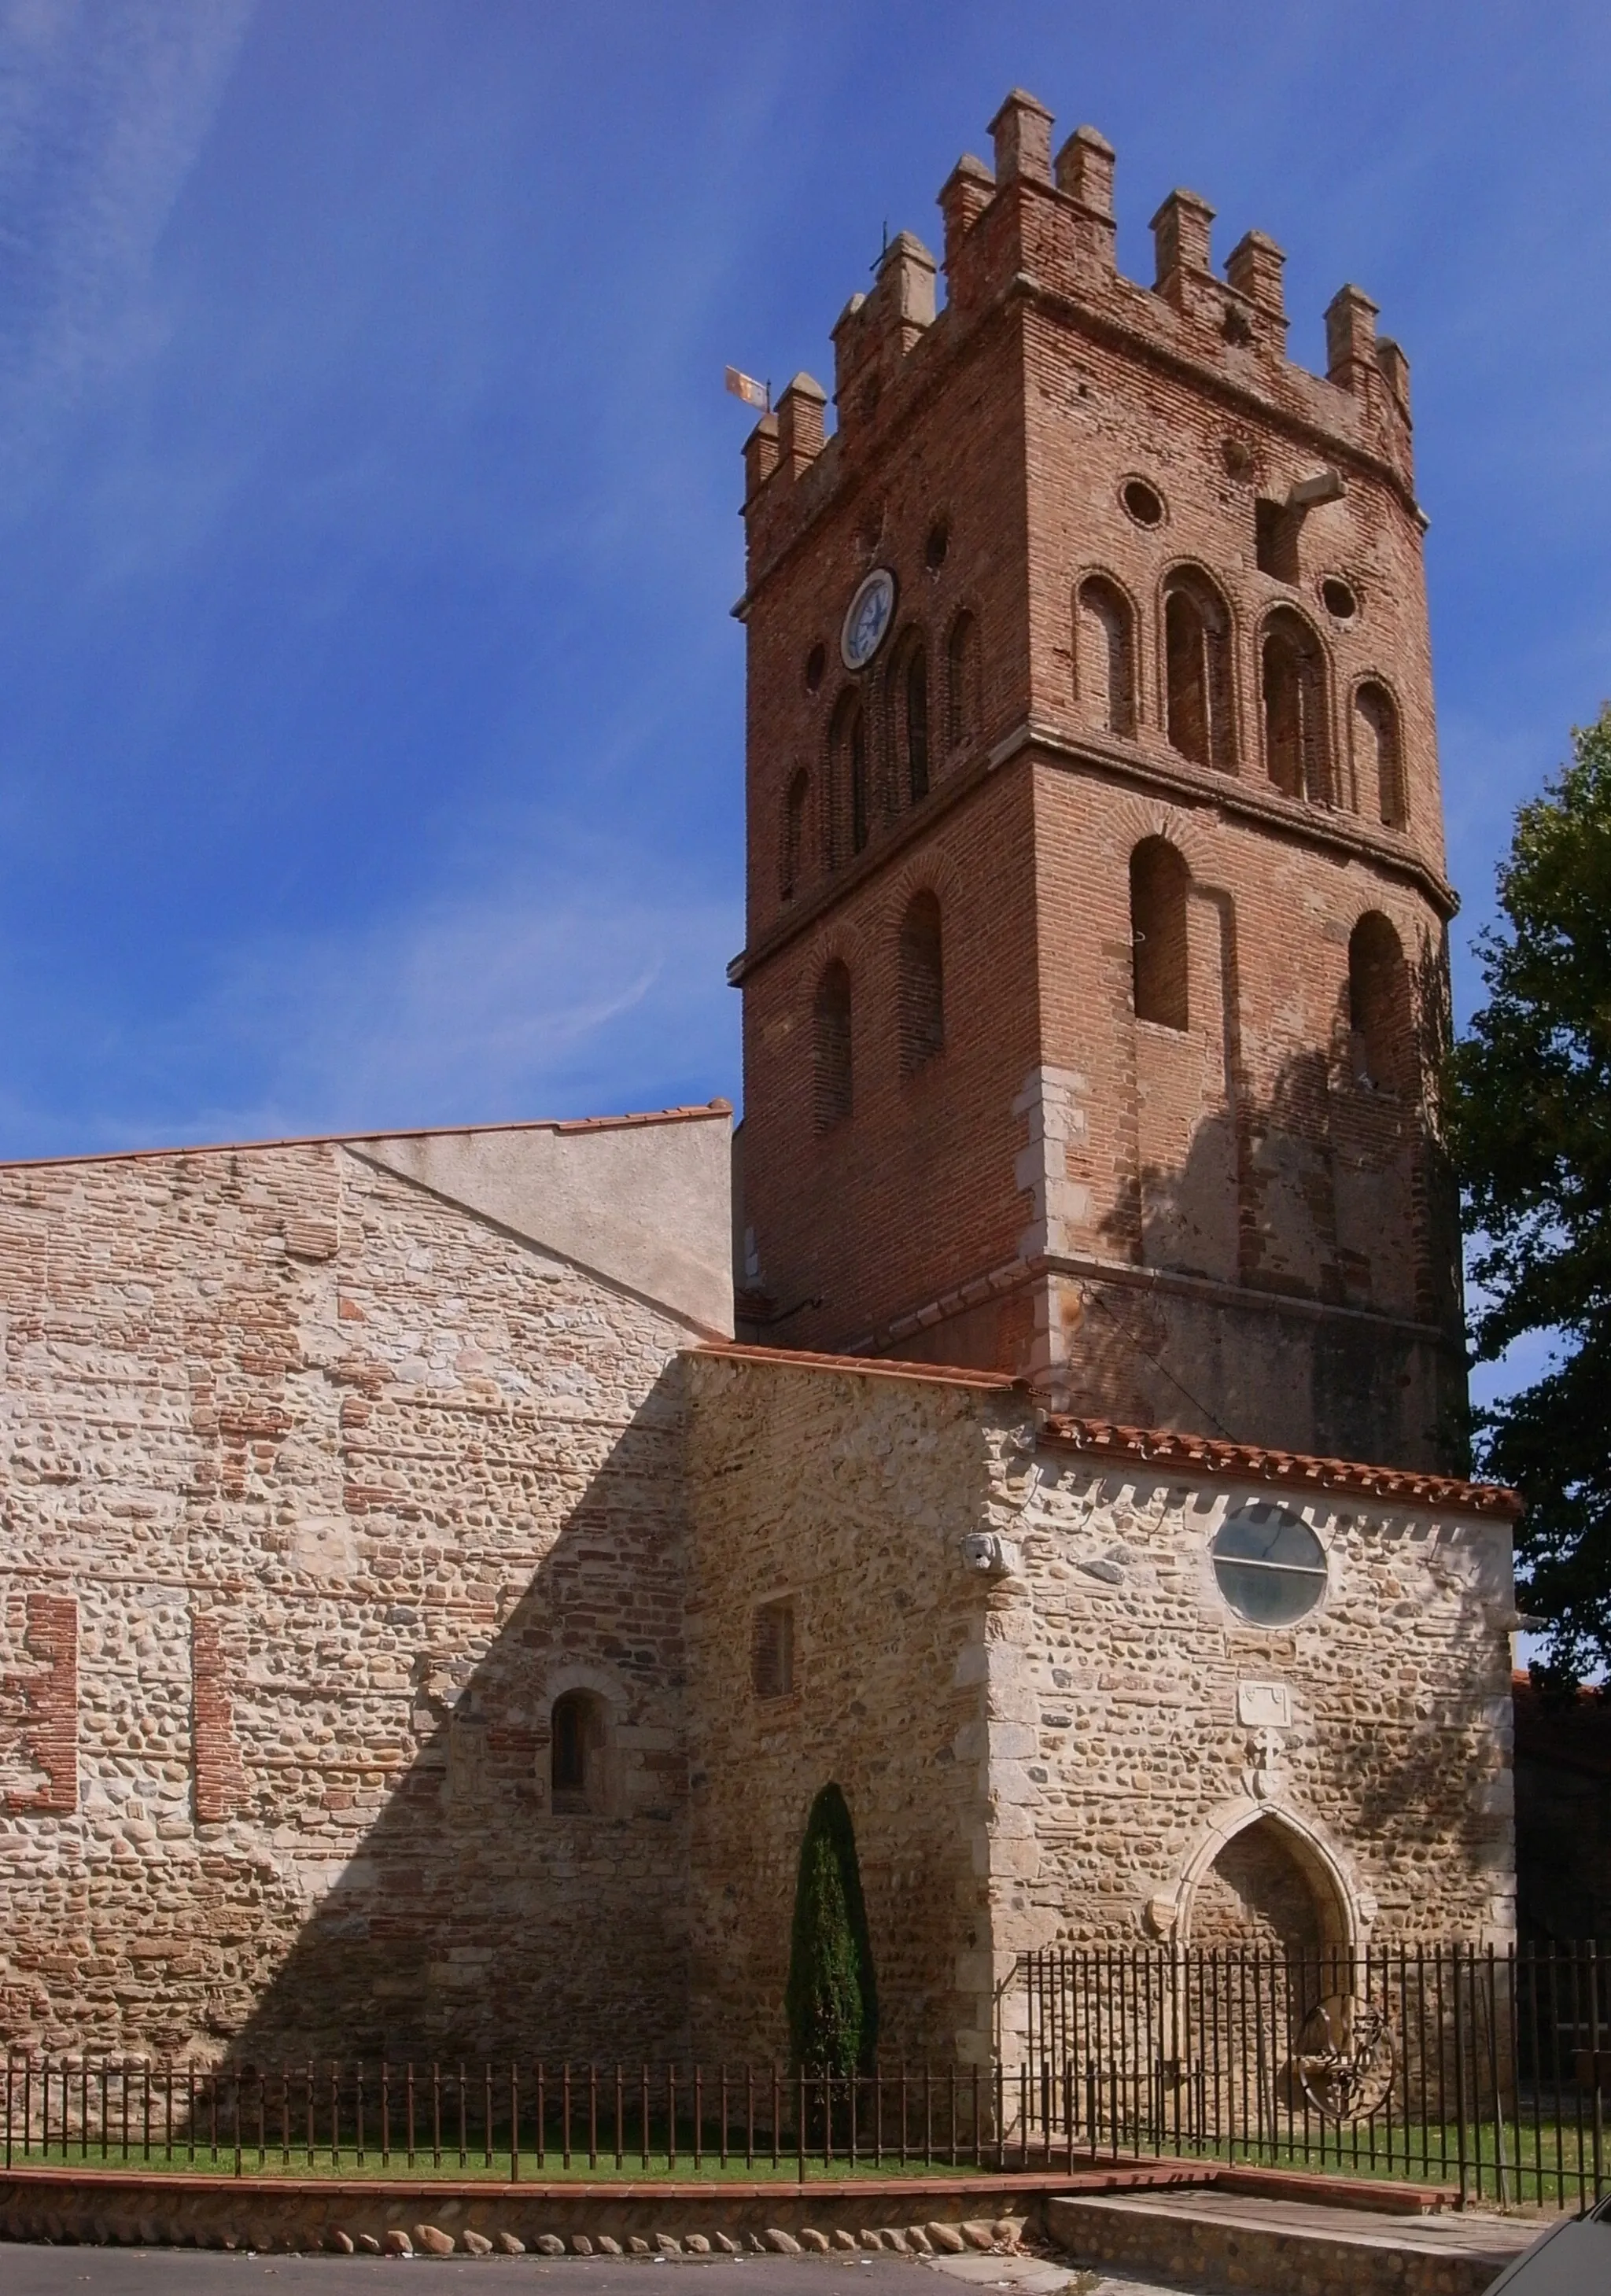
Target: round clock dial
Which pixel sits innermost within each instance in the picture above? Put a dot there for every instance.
(867, 623)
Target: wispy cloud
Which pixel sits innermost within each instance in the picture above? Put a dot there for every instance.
(102, 112)
(529, 992)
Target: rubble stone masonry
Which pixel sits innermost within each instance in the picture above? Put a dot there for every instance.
(318, 1490)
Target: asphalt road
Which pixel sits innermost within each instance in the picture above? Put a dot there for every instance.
(28, 2271)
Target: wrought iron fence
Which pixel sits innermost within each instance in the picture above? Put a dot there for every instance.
(1456, 2065)
(508, 2119)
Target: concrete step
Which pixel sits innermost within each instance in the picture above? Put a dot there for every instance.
(1218, 2240)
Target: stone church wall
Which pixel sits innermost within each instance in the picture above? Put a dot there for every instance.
(1372, 1737)
(847, 1493)
(318, 1490)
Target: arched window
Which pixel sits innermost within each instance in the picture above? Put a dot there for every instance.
(832, 1046)
(791, 851)
(1159, 881)
(1294, 685)
(1105, 653)
(1380, 1017)
(916, 699)
(848, 812)
(1196, 667)
(1378, 756)
(962, 680)
(922, 984)
(576, 1726)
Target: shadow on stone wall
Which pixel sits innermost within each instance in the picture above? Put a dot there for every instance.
(470, 1918)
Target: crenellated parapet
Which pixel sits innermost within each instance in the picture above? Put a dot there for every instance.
(1041, 228)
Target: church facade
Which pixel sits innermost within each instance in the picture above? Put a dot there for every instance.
(433, 1594)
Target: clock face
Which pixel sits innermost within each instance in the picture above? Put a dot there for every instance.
(867, 623)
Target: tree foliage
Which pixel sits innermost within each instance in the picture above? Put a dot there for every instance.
(832, 1995)
(1529, 1111)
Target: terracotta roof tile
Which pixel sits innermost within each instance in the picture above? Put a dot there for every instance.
(1157, 1447)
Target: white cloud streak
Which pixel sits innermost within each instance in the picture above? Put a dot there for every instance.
(103, 110)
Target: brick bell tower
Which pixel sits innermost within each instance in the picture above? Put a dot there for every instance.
(1097, 906)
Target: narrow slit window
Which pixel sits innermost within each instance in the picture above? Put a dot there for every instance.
(1105, 640)
(578, 1735)
(922, 977)
(1379, 755)
(831, 1047)
(1295, 748)
(1159, 883)
(962, 680)
(791, 855)
(772, 1649)
(1381, 1022)
(1196, 667)
(917, 725)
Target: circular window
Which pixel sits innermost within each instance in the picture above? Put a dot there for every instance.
(817, 661)
(1271, 1566)
(936, 546)
(1144, 503)
(1338, 599)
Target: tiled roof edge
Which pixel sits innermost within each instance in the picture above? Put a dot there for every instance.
(567, 1124)
(1159, 1447)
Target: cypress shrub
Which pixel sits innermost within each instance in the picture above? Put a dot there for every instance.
(832, 1995)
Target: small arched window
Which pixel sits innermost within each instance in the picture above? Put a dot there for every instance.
(792, 852)
(832, 1077)
(1105, 655)
(1197, 668)
(922, 975)
(1380, 1016)
(1159, 882)
(916, 700)
(962, 681)
(577, 1727)
(1379, 755)
(1294, 684)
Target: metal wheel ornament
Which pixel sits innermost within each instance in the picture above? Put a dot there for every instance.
(1345, 2057)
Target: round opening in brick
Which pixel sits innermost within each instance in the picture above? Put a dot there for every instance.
(1270, 1565)
(817, 661)
(1144, 503)
(1338, 599)
(936, 546)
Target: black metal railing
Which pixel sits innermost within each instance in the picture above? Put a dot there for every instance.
(1458, 2065)
(506, 2119)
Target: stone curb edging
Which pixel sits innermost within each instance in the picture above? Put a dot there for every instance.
(94, 2206)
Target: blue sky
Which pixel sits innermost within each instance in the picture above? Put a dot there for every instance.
(370, 710)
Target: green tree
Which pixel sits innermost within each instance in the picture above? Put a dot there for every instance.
(1529, 1109)
(832, 1995)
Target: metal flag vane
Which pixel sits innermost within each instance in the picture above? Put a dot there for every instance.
(752, 393)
